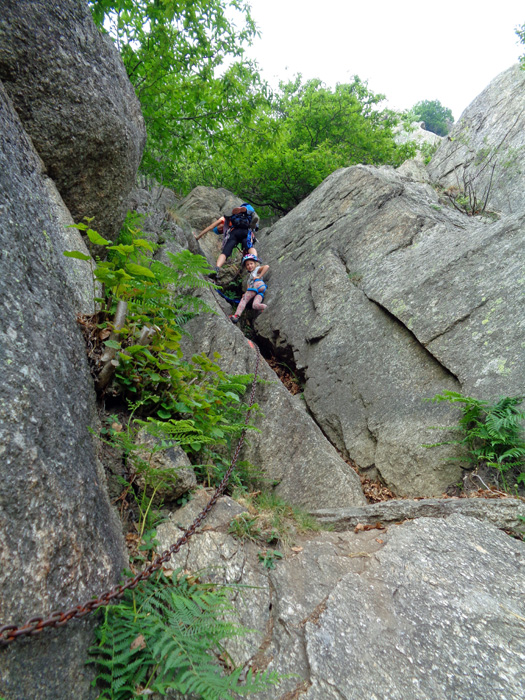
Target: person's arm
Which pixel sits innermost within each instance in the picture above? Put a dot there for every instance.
(263, 269)
(209, 228)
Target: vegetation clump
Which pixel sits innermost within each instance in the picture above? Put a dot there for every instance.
(213, 125)
(438, 119)
(296, 138)
(137, 331)
(269, 519)
(168, 635)
(491, 434)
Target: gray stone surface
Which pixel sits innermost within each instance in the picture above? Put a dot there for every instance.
(505, 513)
(206, 204)
(491, 131)
(439, 615)
(160, 221)
(79, 273)
(383, 298)
(430, 609)
(173, 459)
(290, 449)
(414, 169)
(61, 542)
(416, 133)
(218, 519)
(71, 91)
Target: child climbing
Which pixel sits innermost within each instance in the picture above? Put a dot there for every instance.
(237, 229)
(256, 286)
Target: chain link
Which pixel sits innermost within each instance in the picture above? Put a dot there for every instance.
(35, 625)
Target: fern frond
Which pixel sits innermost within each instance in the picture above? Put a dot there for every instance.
(183, 625)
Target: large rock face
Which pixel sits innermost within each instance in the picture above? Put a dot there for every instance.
(70, 89)
(60, 542)
(486, 148)
(426, 610)
(290, 450)
(385, 298)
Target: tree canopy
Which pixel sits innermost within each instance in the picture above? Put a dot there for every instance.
(185, 61)
(295, 139)
(438, 119)
(212, 121)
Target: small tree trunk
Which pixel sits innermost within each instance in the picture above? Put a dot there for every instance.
(108, 356)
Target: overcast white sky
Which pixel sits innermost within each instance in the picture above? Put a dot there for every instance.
(409, 50)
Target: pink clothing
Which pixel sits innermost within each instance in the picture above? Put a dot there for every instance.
(257, 300)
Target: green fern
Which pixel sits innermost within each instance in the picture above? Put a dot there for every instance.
(492, 433)
(168, 635)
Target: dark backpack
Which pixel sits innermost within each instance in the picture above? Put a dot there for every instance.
(241, 217)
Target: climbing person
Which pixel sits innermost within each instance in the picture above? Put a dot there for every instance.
(256, 286)
(237, 229)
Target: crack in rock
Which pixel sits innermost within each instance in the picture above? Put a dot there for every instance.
(455, 323)
(400, 323)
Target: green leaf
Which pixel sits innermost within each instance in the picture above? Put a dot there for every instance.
(112, 344)
(122, 274)
(123, 249)
(76, 254)
(139, 270)
(142, 243)
(96, 238)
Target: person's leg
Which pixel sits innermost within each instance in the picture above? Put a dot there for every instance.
(258, 303)
(247, 245)
(227, 249)
(242, 305)
(222, 258)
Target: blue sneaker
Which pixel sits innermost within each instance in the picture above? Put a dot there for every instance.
(233, 318)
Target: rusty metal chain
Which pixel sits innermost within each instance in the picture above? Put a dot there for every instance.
(35, 625)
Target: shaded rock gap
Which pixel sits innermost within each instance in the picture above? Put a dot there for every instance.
(282, 362)
(374, 489)
(260, 661)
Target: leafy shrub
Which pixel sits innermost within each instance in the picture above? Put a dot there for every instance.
(192, 402)
(167, 635)
(492, 434)
(437, 118)
(294, 140)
